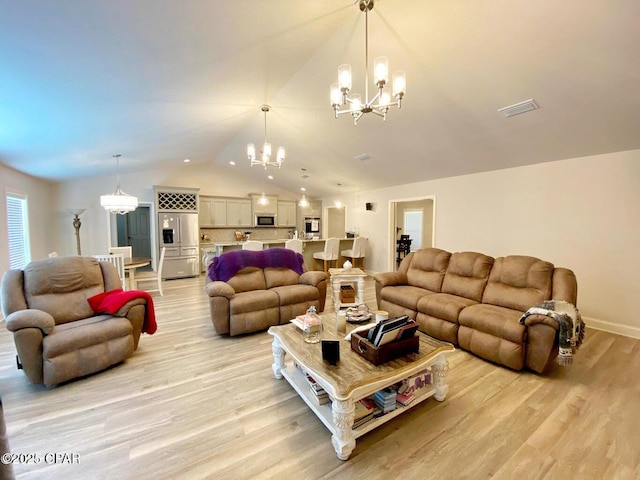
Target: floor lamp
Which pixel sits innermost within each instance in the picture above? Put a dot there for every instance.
(76, 212)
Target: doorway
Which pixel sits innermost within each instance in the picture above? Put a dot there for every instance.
(134, 229)
(336, 222)
(415, 219)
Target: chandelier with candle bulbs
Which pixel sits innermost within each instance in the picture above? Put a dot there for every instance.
(265, 154)
(382, 100)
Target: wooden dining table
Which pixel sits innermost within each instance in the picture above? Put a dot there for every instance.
(130, 265)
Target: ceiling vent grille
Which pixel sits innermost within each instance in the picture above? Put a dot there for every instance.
(518, 108)
(362, 157)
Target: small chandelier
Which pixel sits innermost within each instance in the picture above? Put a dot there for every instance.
(118, 202)
(340, 91)
(265, 157)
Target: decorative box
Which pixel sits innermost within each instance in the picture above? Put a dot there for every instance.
(347, 294)
(383, 353)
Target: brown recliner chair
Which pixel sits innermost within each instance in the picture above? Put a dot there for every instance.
(57, 335)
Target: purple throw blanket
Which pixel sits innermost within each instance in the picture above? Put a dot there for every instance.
(228, 264)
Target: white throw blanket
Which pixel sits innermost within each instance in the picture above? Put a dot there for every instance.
(570, 326)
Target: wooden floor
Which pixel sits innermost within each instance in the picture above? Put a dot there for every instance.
(191, 404)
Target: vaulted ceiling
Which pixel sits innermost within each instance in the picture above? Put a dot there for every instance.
(160, 81)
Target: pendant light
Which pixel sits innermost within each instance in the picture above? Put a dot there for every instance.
(118, 202)
(304, 203)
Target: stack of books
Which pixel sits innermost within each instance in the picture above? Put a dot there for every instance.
(385, 400)
(405, 399)
(364, 409)
(320, 395)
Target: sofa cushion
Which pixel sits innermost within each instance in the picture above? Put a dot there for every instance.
(85, 333)
(489, 347)
(292, 294)
(443, 305)
(494, 320)
(277, 277)
(60, 286)
(254, 300)
(248, 279)
(427, 268)
(404, 295)
(467, 275)
(518, 282)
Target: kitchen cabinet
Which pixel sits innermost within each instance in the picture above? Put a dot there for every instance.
(239, 213)
(212, 212)
(272, 207)
(286, 214)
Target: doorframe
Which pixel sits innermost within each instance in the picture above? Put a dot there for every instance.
(393, 204)
(112, 231)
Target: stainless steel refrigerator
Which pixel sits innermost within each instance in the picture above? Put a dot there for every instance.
(179, 233)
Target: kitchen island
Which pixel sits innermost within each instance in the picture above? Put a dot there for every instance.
(215, 249)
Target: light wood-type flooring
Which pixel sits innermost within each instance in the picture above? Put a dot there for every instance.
(190, 404)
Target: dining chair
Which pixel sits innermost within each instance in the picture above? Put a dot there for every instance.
(118, 260)
(151, 276)
(294, 244)
(127, 252)
(357, 251)
(330, 253)
(252, 245)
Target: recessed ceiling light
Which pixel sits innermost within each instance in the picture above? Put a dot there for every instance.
(303, 189)
(270, 177)
(362, 157)
(231, 162)
(186, 160)
(518, 108)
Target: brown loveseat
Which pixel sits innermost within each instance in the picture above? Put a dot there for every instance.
(249, 291)
(475, 301)
(57, 334)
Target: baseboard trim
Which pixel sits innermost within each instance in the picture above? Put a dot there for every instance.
(624, 330)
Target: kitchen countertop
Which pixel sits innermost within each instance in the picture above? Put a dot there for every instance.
(266, 242)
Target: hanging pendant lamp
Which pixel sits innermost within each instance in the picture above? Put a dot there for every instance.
(118, 202)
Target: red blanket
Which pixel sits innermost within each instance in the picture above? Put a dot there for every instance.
(111, 301)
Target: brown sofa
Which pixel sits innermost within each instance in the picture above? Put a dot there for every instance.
(475, 301)
(57, 335)
(249, 291)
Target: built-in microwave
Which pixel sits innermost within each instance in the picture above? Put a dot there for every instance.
(265, 220)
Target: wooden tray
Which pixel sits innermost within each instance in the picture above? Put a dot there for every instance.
(386, 352)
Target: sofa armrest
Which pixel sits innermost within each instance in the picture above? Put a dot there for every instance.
(565, 285)
(535, 319)
(219, 289)
(390, 278)
(313, 278)
(126, 308)
(31, 318)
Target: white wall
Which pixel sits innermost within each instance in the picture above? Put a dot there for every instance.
(41, 216)
(581, 213)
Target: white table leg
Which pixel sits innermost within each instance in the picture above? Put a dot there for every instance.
(439, 372)
(335, 282)
(360, 299)
(278, 358)
(132, 279)
(343, 440)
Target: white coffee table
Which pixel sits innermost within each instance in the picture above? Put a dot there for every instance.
(342, 275)
(353, 378)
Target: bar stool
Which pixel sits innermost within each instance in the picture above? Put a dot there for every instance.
(357, 251)
(330, 254)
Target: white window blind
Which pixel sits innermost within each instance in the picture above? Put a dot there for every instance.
(18, 230)
(413, 227)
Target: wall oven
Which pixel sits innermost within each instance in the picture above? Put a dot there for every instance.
(312, 224)
(265, 220)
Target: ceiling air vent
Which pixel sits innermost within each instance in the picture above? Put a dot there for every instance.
(362, 157)
(518, 108)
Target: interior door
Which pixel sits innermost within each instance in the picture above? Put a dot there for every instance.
(139, 231)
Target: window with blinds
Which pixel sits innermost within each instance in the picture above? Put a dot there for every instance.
(18, 230)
